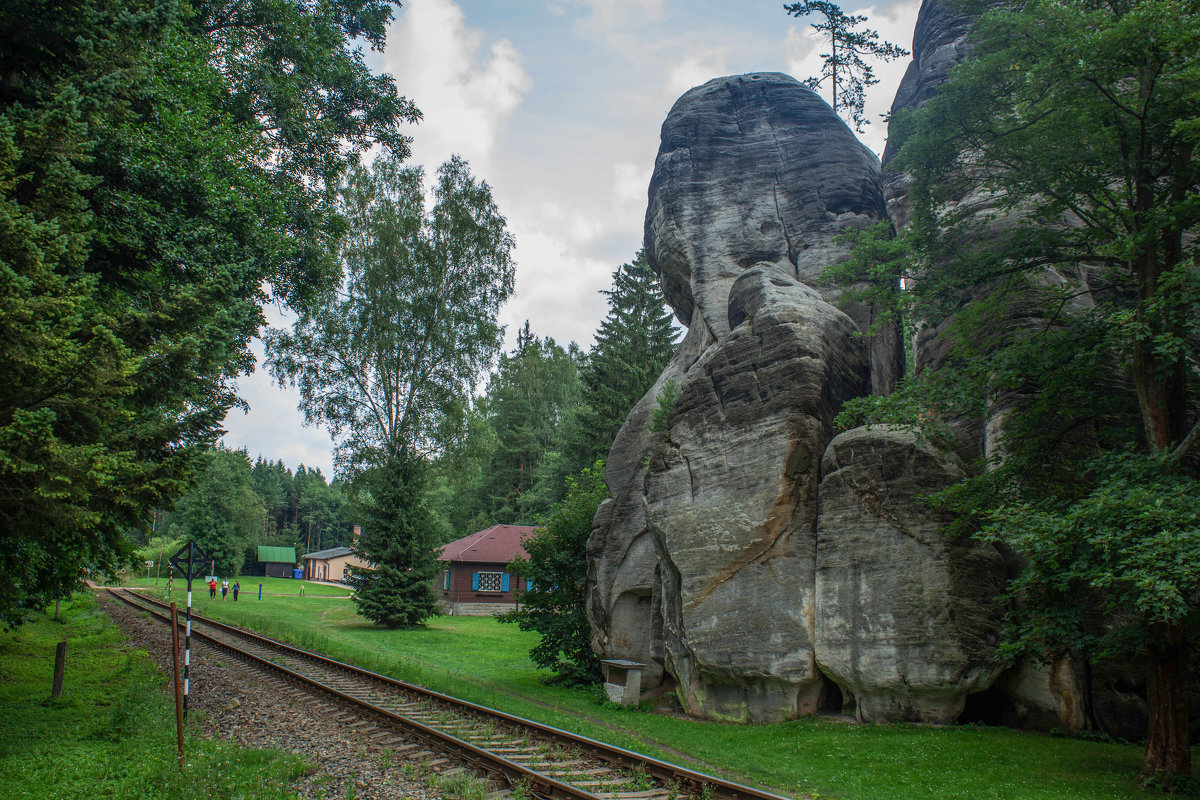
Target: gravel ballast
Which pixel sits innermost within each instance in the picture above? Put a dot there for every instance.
(253, 709)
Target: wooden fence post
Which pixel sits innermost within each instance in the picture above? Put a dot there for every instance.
(178, 698)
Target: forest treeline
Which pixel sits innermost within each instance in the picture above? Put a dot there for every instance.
(545, 413)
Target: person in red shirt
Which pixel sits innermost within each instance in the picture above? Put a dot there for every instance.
(212, 589)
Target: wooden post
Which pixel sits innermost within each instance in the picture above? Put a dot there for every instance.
(60, 666)
(178, 694)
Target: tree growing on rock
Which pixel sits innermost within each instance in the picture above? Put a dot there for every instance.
(1082, 133)
(387, 363)
(848, 75)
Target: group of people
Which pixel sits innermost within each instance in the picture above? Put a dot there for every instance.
(212, 589)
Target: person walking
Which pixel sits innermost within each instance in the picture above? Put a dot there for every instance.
(224, 589)
(212, 589)
(237, 587)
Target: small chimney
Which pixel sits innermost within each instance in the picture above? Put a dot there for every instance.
(354, 535)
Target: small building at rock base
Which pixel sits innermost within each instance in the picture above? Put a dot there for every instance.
(475, 580)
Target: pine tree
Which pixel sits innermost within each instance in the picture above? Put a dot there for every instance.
(848, 75)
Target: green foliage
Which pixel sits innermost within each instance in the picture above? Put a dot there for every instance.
(397, 591)
(222, 514)
(664, 402)
(112, 734)
(847, 73)
(633, 346)
(527, 401)
(557, 568)
(550, 412)
(388, 362)
(1053, 250)
(1124, 547)
(164, 171)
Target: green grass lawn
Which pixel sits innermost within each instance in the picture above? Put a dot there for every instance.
(482, 660)
(271, 586)
(112, 733)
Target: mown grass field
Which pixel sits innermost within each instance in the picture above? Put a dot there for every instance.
(485, 661)
(112, 733)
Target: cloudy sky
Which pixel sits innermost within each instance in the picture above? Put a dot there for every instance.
(557, 104)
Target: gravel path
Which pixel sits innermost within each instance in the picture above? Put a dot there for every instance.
(256, 710)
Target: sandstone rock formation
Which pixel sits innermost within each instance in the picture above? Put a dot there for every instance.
(704, 558)
(908, 620)
(763, 566)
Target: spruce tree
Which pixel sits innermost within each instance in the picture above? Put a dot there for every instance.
(529, 396)
(397, 590)
(633, 345)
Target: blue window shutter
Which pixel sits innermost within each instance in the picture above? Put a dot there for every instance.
(475, 581)
(528, 585)
(504, 581)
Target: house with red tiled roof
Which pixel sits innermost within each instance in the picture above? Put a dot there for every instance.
(475, 580)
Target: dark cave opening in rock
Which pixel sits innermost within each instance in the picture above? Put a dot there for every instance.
(989, 707)
(831, 700)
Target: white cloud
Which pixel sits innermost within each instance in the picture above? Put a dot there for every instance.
(466, 91)
(274, 427)
(694, 69)
(613, 15)
(558, 283)
(629, 184)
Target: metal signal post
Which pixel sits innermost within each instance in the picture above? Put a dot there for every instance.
(190, 560)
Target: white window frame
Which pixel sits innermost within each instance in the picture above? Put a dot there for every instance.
(498, 577)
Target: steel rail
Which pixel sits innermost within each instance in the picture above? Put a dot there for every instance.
(667, 773)
(494, 765)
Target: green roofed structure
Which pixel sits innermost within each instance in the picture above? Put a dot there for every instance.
(277, 562)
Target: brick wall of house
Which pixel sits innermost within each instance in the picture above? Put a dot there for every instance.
(460, 591)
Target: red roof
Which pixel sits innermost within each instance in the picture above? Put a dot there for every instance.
(498, 544)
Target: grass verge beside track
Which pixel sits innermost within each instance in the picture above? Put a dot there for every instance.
(481, 660)
(112, 733)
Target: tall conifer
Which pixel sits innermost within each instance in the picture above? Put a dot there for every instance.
(633, 345)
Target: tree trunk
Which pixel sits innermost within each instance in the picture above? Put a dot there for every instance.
(1168, 752)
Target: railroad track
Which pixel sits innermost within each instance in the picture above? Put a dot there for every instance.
(516, 753)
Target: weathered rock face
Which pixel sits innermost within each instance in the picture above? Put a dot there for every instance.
(907, 619)
(702, 561)
(745, 554)
(1031, 694)
(731, 502)
(756, 168)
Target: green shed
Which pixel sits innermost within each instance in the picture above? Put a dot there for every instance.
(277, 562)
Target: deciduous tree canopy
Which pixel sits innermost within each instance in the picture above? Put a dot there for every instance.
(164, 169)
(387, 362)
(1056, 179)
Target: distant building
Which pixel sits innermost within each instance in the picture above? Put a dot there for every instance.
(276, 562)
(333, 564)
(475, 580)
